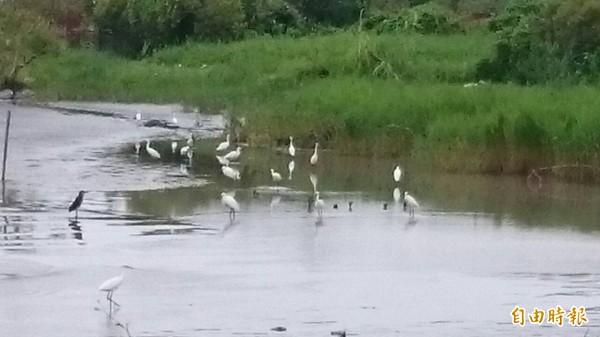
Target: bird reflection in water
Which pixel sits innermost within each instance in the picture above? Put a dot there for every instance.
(76, 230)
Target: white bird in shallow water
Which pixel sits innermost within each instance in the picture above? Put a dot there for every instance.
(397, 174)
(234, 155)
(190, 155)
(315, 157)
(291, 167)
(276, 177)
(173, 119)
(137, 148)
(411, 203)
(319, 204)
(224, 145)
(152, 152)
(190, 140)
(173, 146)
(111, 285)
(138, 116)
(292, 149)
(184, 150)
(230, 172)
(229, 202)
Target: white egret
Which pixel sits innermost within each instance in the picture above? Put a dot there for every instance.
(152, 152)
(138, 116)
(224, 145)
(397, 174)
(319, 204)
(230, 172)
(111, 285)
(190, 140)
(315, 157)
(173, 146)
(234, 155)
(184, 150)
(229, 202)
(276, 177)
(291, 167)
(396, 194)
(314, 181)
(222, 160)
(411, 203)
(292, 149)
(137, 148)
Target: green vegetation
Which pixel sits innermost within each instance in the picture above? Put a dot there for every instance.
(390, 84)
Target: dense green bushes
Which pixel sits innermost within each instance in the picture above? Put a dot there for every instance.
(425, 19)
(542, 41)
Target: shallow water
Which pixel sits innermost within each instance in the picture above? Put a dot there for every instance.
(477, 247)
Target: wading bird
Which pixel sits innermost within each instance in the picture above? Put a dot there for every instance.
(183, 151)
(314, 180)
(229, 202)
(397, 174)
(111, 285)
(137, 148)
(77, 203)
(190, 140)
(173, 119)
(411, 203)
(315, 157)
(224, 145)
(292, 149)
(230, 172)
(190, 155)
(222, 160)
(152, 152)
(396, 194)
(276, 177)
(138, 116)
(319, 204)
(173, 146)
(234, 155)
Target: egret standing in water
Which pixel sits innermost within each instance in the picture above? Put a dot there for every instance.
(183, 151)
(152, 152)
(190, 140)
(224, 145)
(319, 204)
(190, 155)
(138, 116)
(230, 172)
(292, 149)
(173, 146)
(411, 203)
(397, 174)
(276, 177)
(173, 119)
(111, 285)
(234, 155)
(137, 148)
(315, 157)
(77, 203)
(229, 202)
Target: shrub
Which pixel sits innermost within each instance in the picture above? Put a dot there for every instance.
(424, 19)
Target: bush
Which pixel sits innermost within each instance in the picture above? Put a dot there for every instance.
(273, 17)
(23, 37)
(541, 41)
(424, 19)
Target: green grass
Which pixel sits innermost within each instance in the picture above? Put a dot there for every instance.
(334, 89)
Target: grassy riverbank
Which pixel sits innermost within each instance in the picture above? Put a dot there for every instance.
(387, 95)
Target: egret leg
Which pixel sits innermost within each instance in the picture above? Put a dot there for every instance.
(110, 302)
(76, 214)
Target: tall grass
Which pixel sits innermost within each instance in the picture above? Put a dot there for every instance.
(327, 89)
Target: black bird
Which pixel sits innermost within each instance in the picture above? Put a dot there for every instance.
(350, 205)
(385, 206)
(335, 206)
(76, 203)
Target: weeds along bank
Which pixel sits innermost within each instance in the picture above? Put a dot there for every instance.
(366, 94)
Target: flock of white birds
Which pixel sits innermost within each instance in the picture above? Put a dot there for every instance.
(228, 200)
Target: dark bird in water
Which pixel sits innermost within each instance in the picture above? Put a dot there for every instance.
(350, 205)
(77, 203)
(335, 206)
(385, 206)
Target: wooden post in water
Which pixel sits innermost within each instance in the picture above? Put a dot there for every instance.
(5, 147)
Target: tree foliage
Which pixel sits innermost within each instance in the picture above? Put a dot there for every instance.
(24, 36)
(545, 40)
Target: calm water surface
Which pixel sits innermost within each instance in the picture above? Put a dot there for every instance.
(478, 247)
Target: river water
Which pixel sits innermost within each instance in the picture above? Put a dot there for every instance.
(477, 247)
